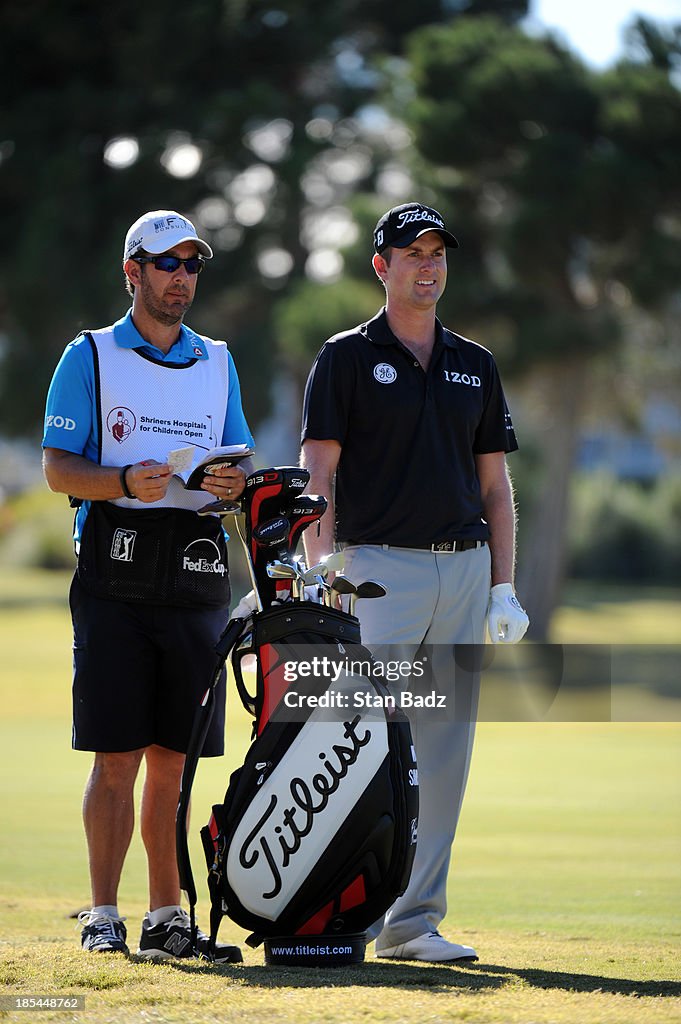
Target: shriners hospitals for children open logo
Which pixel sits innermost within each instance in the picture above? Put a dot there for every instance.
(120, 423)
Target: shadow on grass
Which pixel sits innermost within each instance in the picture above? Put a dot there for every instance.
(585, 982)
(470, 978)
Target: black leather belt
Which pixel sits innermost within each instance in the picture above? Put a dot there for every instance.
(457, 545)
(443, 545)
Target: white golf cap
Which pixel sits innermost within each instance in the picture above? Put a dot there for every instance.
(160, 230)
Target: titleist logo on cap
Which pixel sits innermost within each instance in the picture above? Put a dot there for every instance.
(410, 216)
(402, 225)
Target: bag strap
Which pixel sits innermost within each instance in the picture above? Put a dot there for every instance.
(249, 700)
(202, 719)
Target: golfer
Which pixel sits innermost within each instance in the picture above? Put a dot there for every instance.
(408, 423)
(151, 592)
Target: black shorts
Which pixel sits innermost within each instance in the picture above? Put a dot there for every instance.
(139, 673)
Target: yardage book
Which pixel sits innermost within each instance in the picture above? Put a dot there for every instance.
(191, 464)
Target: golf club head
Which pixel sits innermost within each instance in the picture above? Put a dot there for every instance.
(316, 572)
(273, 533)
(305, 510)
(268, 491)
(342, 585)
(282, 571)
(266, 494)
(269, 542)
(367, 589)
(370, 588)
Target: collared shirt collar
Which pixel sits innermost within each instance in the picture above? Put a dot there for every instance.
(188, 346)
(378, 331)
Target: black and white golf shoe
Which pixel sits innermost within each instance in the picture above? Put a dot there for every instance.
(102, 934)
(172, 940)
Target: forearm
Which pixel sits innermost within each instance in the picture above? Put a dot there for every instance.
(322, 475)
(507, 621)
(499, 512)
(68, 473)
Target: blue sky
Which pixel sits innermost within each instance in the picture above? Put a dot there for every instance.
(594, 27)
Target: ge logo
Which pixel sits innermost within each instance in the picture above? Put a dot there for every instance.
(385, 373)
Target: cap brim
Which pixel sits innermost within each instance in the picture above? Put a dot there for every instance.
(446, 236)
(203, 247)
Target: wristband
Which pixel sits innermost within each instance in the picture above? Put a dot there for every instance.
(124, 487)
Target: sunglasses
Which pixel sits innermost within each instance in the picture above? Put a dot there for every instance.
(169, 264)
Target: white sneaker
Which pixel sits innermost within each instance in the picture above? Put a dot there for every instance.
(431, 947)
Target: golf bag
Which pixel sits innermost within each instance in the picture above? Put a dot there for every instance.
(316, 835)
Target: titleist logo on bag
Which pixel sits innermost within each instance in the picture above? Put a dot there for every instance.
(316, 832)
(300, 807)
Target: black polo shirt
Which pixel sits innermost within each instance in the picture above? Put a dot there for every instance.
(406, 473)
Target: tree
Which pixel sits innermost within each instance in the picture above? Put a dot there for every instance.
(565, 188)
(219, 108)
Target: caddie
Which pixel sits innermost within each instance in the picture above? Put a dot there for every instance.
(151, 591)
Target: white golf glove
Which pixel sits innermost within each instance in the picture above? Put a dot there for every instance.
(507, 620)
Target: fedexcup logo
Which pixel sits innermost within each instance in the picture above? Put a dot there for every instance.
(384, 373)
(199, 563)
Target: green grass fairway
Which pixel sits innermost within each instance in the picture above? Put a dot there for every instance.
(566, 874)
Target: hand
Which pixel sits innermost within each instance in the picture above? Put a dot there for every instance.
(507, 620)
(149, 480)
(225, 482)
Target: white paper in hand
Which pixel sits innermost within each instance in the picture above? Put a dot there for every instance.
(181, 459)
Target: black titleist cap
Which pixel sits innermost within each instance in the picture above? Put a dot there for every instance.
(404, 224)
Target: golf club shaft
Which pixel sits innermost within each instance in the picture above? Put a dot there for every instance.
(249, 564)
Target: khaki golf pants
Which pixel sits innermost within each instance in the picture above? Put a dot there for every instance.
(434, 601)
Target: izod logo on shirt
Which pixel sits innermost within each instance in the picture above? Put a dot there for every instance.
(462, 378)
